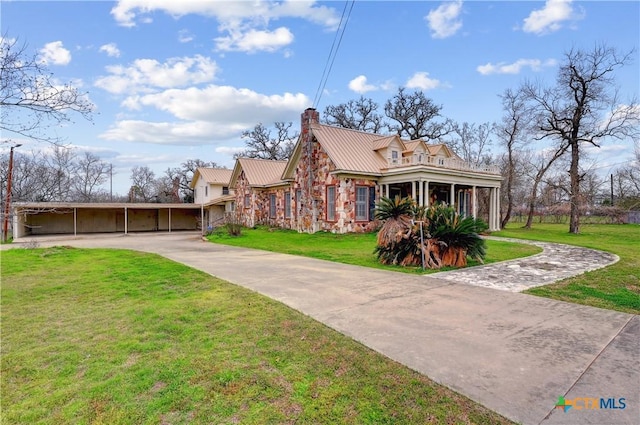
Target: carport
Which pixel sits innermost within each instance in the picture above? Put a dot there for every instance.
(49, 218)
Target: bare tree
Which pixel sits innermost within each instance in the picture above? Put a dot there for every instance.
(360, 114)
(184, 174)
(472, 141)
(415, 116)
(31, 100)
(583, 107)
(90, 173)
(511, 132)
(261, 145)
(61, 165)
(540, 164)
(143, 184)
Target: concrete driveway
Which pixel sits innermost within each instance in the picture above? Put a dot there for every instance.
(514, 353)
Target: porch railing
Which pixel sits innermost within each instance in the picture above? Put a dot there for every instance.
(449, 163)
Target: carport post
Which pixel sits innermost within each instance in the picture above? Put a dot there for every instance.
(75, 221)
(169, 220)
(126, 219)
(201, 219)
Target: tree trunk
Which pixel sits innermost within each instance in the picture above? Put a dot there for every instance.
(574, 197)
(532, 200)
(507, 215)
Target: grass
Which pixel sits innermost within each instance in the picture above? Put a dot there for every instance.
(121, 337)
(616, 287)
(351, 248)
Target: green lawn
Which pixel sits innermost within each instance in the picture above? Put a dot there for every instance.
(121, 337)
(352, 248)
(616, 287)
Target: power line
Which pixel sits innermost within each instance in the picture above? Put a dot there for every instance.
(334, 51)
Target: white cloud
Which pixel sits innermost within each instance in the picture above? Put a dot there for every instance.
(254, 40)
(229, 150)
(145, 74)
(359, 85)
(421, 80)
(184, 36)
(444, 21)
(244, 25)
(550, 17)
(111, 50)
(205, 116)
(126, 11)
(515, 67)
(55, 53)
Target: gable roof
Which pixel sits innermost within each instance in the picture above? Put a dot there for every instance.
(435, 149)
(259, 172)
(211, 176)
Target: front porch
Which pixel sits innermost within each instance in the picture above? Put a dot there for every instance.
(463, 196)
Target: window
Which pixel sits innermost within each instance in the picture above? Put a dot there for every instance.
(287, 205)
(225, 190)
(206, 191)
(331, 203)
(247, 201)
(362, 203)
(394, 157)
(272, 205)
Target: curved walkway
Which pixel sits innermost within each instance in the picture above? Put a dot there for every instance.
(554, 263)
(514, 353)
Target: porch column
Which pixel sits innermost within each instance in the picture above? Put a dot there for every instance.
(497, 208)
(420, 193)
(426, 191)
(474, 203)
(452, 199)
(413, 190)
(493, 211)
(386, 190)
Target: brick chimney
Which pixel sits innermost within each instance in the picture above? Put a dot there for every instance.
(309, 116)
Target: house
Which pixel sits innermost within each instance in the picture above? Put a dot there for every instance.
(211, 191)
(262, 197)
(335, 177)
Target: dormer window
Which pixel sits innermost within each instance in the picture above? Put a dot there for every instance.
(225, 190)
(394, 157)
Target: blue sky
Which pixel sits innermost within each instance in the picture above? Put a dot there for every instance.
(173, 80)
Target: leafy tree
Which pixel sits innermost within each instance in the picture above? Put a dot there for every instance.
(415, 116)
(260, 144)
(360, 114)
(31, 100)
(583, 108)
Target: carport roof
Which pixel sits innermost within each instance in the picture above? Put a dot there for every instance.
(101, 205)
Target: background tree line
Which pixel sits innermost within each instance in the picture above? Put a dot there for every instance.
(580, 110)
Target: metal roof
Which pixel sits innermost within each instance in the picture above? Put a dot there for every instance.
(212, 176)
(260, 172)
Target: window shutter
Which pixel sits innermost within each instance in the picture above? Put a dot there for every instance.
(372, 202)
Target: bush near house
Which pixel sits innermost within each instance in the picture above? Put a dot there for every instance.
(436, 236)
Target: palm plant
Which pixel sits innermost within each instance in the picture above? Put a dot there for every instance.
(393, 237)
(459, 236)
(445, 239)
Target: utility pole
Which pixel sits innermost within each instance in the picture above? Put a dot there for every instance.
(7, 207)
